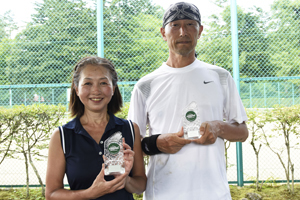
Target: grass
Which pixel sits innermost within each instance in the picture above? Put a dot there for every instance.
(20, 193)
(268, 192)
(35, 194)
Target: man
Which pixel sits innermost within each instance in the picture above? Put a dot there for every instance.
(186, 169)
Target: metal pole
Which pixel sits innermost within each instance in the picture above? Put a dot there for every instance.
(123, 94)
(236, 77)
(279, 93)
(53, 96)
(100, 40)
(293, 93)
(67, 103)
(265, 95)
(10, 97)
(250, 95)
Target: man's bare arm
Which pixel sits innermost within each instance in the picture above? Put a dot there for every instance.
(234, 132)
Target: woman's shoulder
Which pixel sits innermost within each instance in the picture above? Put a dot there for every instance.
(71, 124)
(118, 120)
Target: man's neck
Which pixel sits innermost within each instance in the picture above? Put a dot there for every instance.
(179, 61)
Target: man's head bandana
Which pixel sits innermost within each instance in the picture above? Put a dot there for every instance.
(181, 10)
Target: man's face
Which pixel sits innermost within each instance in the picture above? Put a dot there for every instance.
(182, 36)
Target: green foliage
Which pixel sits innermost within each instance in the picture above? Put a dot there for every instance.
(132, 37)
(20, 193)
(285, 125)
(5, 47)
(7, 25)
(30, 128)
(269, 191)
(285, 120)
(36, 125)
(284, 37)
(124, 111)
(61, 33)
(10, 124)
(268, 42)
(216, 45)
(35, 194)
(138, 196)
(255, 123)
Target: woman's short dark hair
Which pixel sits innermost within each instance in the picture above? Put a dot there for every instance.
(76, 107)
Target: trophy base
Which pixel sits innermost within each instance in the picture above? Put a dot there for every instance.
(193, 134)
(114, 170)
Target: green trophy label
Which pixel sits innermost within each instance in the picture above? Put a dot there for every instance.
(113, 155)
(191, 116)
(113, 148)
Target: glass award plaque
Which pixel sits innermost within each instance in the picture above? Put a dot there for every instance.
(113, 155)
(191, 122)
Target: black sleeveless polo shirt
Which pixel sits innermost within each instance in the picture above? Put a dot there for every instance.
(84, 156)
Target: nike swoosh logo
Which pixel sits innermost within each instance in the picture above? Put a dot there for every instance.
(206, 82)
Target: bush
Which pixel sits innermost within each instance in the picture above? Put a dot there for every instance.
(28, 129)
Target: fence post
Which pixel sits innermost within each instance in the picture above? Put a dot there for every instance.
(279, 92)
(265, 95)
(235, 59)
(293, 93)
(10, 97)
(250, 95)
(52, 96)
(100, 41)
(67, 97)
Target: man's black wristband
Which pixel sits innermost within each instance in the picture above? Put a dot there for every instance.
(149, 145)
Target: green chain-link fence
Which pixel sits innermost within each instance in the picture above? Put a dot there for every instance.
(36, 65)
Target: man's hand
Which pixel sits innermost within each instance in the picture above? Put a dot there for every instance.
(209, 132)
(171, 142)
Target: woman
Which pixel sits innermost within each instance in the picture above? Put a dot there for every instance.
(77, 148)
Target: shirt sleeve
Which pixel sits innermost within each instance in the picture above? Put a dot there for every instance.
(137, 110)
(234, 110)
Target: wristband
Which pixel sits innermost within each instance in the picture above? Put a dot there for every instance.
(149, 145)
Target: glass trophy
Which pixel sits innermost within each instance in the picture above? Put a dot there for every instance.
(191, 122)
(113, 155)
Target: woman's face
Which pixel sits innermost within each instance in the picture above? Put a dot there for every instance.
(95, 88)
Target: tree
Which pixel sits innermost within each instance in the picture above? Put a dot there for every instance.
(61, 33)
(7, 25)
(253, 45)
(215, 43)
(37, 122)
(255, 125)
(284, 37)
(5, 53)
(285, 121)
(132, 37)
(64, 31)
(10, 124)
(216, 47)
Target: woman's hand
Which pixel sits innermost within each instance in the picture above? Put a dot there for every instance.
(128, 157)
(128, 161)
(101, 187)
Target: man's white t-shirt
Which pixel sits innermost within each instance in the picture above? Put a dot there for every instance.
(158, 100)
